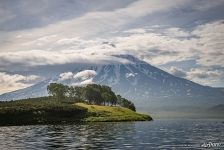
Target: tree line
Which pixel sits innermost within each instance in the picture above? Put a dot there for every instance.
(91, 93)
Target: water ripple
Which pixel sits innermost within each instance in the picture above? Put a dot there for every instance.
(160, 134)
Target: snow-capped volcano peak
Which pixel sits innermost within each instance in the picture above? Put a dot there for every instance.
(130, 58)
(138, 81)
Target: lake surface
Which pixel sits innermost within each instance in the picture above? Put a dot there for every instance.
(158, 134)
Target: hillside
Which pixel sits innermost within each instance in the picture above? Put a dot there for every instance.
(137, 81)
(45, 110)
(111, 113)
(148, 87)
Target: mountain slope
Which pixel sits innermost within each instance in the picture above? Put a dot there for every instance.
(142, 82)
(37, 90)
(147, 86)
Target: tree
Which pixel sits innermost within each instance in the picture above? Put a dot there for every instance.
(71, 93)
(131, 106)
(106, 98)
(79, 91)
(75, 93)
(57, 90)
(119, 99)
(113, 98)
(93, 95)
(108, 95)
(127, 104)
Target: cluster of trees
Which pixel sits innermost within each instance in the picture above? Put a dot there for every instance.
(92, 93)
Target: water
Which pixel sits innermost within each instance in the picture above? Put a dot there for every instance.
(158, 134)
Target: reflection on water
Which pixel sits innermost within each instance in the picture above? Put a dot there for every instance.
(159, 134)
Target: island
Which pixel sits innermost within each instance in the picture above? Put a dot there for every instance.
(90, 103)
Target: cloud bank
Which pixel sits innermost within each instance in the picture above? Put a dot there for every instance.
(204, 44)
(11, 82)
(165, 34)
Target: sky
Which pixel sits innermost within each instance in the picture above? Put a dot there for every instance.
(41, 38)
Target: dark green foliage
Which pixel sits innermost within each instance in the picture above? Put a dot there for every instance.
(126, 103)
(92, 93)
(107, 98)
(99, 94)
(57, 90)
(109, 95)
(58, 107)
(75, 93)
(42, 110)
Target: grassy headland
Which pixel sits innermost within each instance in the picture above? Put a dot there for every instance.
(97, 113)
(63, 106)
(46, 110)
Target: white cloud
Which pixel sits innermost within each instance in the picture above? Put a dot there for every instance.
(11, 82)
(136, 31)
(177, 72)
(66, 76)
(177, 33)
(158, 47)
(89, 39)
(68, 41)
(79, 78)
(204, 43)
(90, 24)
(172, 44)
(41, 57)
(210, 44)
(88, 81)
(203, 74)
(84, 75)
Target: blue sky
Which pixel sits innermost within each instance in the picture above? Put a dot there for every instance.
(41, 38)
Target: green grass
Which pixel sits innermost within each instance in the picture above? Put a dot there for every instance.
(39, 111)
(98, 113)
(46, 110)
